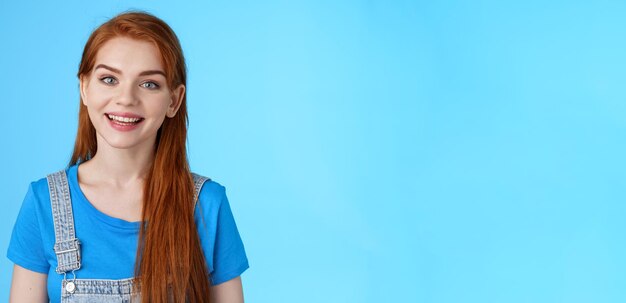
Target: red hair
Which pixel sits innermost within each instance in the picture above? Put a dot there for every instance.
(170, 262)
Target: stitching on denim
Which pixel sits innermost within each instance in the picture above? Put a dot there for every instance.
(66, 246)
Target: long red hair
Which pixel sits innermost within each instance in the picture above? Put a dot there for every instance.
(170, 262)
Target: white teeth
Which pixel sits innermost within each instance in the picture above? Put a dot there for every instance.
(123, 119)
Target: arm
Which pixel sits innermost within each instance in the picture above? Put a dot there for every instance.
(28, 286)
(230, 291)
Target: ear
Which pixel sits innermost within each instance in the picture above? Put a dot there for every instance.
(82, 86)
(177, 99)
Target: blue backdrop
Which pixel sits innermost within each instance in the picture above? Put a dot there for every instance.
(372, 151)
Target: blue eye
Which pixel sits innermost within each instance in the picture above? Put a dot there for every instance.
(108, 80)
(150, 85)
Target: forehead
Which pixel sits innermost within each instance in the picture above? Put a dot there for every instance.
(129, 55)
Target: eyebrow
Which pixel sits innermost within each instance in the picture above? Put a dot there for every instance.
(144, 73)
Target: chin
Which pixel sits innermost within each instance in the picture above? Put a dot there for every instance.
(121, 143)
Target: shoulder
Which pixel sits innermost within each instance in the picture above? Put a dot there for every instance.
(41, 185)
(211, 194)
(39, 191)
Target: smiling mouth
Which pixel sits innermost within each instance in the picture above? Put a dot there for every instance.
(124, 120)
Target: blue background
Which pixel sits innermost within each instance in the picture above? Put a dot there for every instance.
(372, 151)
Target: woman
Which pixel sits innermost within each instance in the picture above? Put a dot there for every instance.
(79, 237)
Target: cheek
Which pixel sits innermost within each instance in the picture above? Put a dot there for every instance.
(157, 104)
(94, 117)
(97, 95)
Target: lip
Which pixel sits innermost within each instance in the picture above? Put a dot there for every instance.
(121, 127)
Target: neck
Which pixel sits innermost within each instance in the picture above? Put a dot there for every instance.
(122, 166)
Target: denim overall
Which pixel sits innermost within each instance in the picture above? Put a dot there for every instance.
(67, 250)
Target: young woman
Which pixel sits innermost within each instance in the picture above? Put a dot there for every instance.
(127, 221)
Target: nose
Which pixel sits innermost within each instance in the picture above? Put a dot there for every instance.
(127, 95)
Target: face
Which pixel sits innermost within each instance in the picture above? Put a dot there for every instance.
(126, 94)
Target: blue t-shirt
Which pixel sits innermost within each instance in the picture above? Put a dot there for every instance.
(109, 245)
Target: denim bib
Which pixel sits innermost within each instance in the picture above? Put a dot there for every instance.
(67, 250)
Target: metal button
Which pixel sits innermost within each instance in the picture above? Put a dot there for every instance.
(70, 287)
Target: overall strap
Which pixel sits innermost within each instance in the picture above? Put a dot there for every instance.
(66, 245)
(198, 181)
